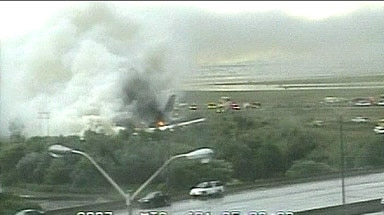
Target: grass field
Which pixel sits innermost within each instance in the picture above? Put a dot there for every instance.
(301, 107)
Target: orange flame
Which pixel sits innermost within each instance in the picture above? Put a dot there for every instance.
(160, 123)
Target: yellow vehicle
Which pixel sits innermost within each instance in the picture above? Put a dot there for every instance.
(211, 105)
(380, 123)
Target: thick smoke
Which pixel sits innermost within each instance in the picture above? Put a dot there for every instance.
(121, 62)
(16, 127)
(90, 61)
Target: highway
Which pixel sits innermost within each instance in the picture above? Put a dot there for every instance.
(295, 197)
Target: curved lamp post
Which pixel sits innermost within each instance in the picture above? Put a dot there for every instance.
(205, 154)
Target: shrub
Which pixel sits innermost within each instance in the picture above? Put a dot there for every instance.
(10, 204)
(308, 168)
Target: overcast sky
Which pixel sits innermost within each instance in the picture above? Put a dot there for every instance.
(231, 31)
(20, 17)
(73, 58)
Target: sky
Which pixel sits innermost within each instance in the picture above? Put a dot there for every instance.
(116, 59)
(27, 17)
(30, 15)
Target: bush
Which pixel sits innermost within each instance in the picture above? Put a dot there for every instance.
(373, 154)
(9, 157)
(188, 173)
(307, 168)
(10, 204)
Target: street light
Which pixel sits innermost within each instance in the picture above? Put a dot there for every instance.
(205, 154)
(60, 151)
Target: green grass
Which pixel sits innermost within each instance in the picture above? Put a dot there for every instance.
(304, 106)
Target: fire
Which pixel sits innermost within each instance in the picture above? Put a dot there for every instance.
(160, 123)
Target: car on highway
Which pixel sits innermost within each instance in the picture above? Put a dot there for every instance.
(363, 102)
(252, 105)
(255, 105)
(380, 122)
(211, 105)
(193, 106)
(379, 130)
(207, 188)
(380, 102)
(155, 199)
(220, 110)
(234, 106)
(360, 119)
(317, 123)
(30, 212)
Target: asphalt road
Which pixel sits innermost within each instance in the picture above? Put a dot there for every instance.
(296, 197)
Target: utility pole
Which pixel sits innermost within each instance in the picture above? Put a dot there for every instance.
(44, 115)
(342, 160)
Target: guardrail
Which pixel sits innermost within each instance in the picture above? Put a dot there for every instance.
(356, 208)
(97, 207)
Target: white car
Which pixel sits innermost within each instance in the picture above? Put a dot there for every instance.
(208, 188)
(30, 212)
(379, 130)
(363, 103)
(360, 119)
(380, 102)
(317, 123)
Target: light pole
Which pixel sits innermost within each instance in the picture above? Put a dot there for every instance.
(342, 160)
(205, 154)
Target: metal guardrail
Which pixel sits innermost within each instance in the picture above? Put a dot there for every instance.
(356, 208)
(106, 206)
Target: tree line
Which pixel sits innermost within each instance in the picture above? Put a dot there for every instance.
(246, 149)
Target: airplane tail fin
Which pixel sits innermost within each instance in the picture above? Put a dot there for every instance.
(171, 102)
